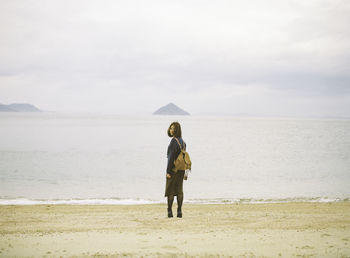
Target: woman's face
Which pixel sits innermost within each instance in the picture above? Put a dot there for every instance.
(172, 130)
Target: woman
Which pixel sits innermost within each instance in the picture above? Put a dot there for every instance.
(174, 180)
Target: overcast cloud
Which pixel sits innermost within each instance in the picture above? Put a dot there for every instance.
(260, 57)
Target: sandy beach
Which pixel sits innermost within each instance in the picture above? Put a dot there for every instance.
(224, 230)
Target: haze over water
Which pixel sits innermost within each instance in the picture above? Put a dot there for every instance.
(86, 156)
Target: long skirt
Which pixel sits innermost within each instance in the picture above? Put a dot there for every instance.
(174, 185)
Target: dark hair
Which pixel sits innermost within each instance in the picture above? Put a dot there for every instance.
(177, 132)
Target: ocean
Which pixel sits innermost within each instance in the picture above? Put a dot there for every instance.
(87, 158)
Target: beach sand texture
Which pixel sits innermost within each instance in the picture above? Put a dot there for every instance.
(224, 230)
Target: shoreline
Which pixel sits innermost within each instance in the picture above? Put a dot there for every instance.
(269, 230)
(139, 201)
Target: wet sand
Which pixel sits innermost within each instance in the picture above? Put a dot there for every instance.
(237, 230)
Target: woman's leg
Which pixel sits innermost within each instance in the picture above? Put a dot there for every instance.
(170, 205)
(180, 199)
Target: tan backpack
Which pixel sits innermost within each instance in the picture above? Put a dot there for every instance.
(183, 161)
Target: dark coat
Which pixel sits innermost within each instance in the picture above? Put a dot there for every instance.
(174, 185)
(174, 151)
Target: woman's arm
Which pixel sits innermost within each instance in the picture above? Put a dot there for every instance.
(171, 156)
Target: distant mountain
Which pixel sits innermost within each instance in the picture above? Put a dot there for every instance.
(5, 108)
(171, 109)
(18, 107)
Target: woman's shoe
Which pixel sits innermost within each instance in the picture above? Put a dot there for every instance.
(170, 213)
(179, 213)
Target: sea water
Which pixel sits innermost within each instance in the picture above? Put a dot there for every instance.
(111, 159)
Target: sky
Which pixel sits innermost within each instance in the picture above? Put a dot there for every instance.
(270, 58)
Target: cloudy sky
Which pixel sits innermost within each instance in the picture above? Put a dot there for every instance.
(285, 58)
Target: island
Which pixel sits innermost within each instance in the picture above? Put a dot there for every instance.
(18, 107)
(171, 109)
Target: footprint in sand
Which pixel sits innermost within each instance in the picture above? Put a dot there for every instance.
(307, 247)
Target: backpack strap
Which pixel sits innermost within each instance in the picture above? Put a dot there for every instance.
(178, 142)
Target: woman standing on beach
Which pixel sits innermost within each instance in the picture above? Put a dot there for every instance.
(174, 180)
